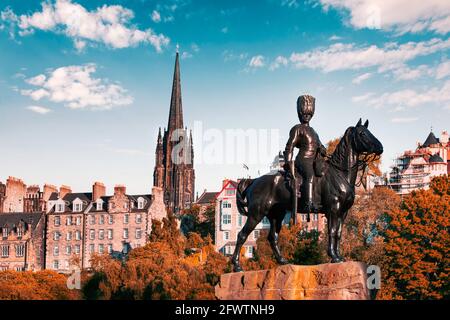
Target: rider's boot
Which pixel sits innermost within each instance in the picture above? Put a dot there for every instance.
(309, 203)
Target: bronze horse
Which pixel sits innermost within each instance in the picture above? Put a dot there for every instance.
(270, 195)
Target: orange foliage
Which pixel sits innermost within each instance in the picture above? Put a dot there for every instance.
(41, 285)
(159, 270)
(418, 244)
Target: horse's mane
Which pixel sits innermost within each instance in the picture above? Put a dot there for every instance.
(341, 149)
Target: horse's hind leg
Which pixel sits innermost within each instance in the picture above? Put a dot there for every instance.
(275, 227)
(249, 226)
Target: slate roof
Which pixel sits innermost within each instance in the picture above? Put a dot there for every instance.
(435, 158)
(431, 139)
(12, 220)
(207, 198)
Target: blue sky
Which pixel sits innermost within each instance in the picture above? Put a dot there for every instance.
(84, 85)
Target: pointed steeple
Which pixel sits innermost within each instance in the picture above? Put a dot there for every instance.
(159, 137)
(176, 109)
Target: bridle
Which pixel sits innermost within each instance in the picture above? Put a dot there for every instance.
(361, 164)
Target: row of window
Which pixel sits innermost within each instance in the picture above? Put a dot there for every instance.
(78, 206)
(19, 250)
(226, 220)
(57, 235)
(226, 235)
(5, 232)
(93, 219)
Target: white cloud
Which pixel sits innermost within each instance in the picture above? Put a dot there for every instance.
(334, 38)
(361, 98)
(224, 30)
(399, 15)
(77, 89)
(278, 62)
(361, 78)
(409, 97)
(256, 62)
(231, 56)
(109, 25)
(290, 3)
(341, 56)
(186, 55)
(443, 70)
(404, 120)
(38, 109)
(156, 16)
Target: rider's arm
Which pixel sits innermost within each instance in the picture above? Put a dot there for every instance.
(322, 148)
(290, 145)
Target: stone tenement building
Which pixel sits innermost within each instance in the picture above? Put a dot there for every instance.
(80, 225)
(22, 243)
(174, 163)
(74, 226)
(15, 196)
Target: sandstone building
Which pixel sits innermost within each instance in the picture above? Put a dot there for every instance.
(174, 163)
(80, 225)
(22, 242)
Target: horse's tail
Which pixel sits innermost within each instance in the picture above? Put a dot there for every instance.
(241, 195)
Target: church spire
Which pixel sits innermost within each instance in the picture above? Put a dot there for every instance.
(176, 109)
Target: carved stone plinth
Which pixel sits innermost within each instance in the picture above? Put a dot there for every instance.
(341, 281)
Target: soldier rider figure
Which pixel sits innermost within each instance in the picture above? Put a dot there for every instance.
(303, 137)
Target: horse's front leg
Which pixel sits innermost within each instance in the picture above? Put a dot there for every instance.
(332, 222)
(340, 222)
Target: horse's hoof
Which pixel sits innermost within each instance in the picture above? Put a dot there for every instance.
(282, 261)
(237, 269)
(337, 260)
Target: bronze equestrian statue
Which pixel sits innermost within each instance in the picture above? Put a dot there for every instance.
(333, 183)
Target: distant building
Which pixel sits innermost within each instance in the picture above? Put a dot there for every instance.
(229, 222)
(176, 176)
(80, 225)
(206, 200)
(414, 169)
(15, 196)
(22, 243)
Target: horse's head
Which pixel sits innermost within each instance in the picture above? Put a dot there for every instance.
(364, 141)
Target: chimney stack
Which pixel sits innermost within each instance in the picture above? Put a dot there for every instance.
(63, 190)
(48, 190)
(98, 190)
(120, 189)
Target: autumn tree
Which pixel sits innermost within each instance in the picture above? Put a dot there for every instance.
(297, 245)
(158, 270)
(200, 221)
(418, 244)
(40, 285)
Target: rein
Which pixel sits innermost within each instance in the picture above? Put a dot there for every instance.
(361, 164)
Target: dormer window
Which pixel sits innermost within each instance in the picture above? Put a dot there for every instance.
(141, 203)
(99, 205)
(77, 205)
(60, 207)
(19, 231)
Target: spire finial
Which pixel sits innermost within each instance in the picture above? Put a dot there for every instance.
(178, 48)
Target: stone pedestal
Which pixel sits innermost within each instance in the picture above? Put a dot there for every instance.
(339, 281)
